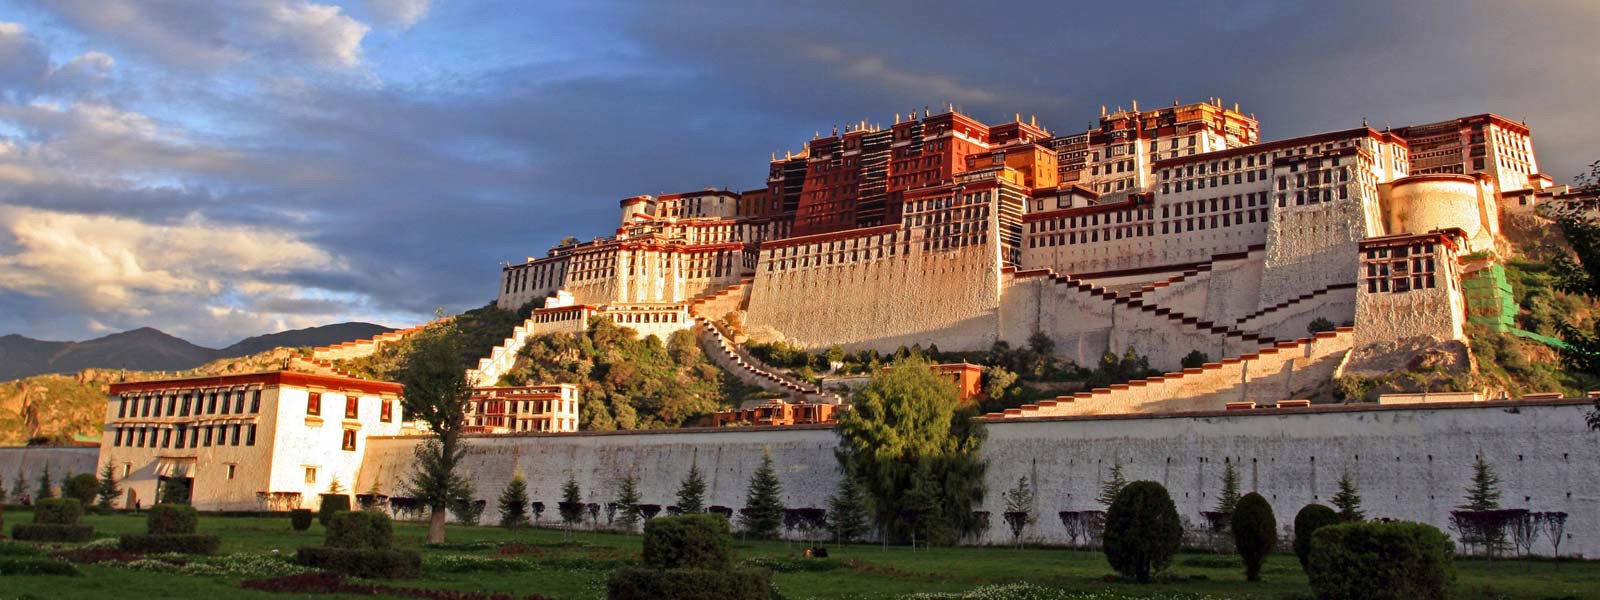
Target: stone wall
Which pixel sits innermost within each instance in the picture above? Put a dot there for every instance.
(1410, 462)
(31, 461)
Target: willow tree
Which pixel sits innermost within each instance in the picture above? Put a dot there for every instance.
(914, 453)
(436, 391)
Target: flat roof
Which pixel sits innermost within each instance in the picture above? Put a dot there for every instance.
(280, 377)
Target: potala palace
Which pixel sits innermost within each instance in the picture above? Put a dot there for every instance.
(1167, 231)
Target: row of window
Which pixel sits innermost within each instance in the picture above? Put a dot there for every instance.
(351, 405)
(1181, 225)
(202, 403)
(184, 436)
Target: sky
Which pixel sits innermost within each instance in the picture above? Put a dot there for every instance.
(225, 169)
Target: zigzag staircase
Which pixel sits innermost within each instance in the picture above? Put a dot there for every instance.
(721, 348)
(1136, 303)
(1295, 300)
(1171, 281)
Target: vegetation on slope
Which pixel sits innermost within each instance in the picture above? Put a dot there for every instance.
(481, 329)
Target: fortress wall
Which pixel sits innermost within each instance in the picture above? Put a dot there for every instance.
(1235, 286)
(1165, 341)
(1310, 248)
(31, 461)
(1290, 322)
(947, 298)
(1079, 322)
(1188, 296)
(1410, 462)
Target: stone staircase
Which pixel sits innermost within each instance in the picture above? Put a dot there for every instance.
(742, 365)
(1296, 300)
(1148, 289)
(1175, 318)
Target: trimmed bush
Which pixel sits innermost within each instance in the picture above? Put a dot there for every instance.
(1308, 521)
(182, 543)
(1142, 530)
(332, 503)
(57, 511)
(688, 542)
(1380, 561)
(1255, 532)
(360, 529)
(362, 562)
(82, 487)
(35, 566)
(10, 548)
(300, 519)
(635, 583)
(169, 519)
(52, 532)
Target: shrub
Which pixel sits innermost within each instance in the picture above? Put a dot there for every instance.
(634, 583)
(57, 511)
(10, 548)
(83, 488)
(52, 532)
(1308, 521)
(1255, 532)
(35, 566)
(362, 562)
(300, 519)
(688, 542)
(182, 543)
(169, 519)
(1142, 530)
(332, 503)
(1380, 561)
(361, 529)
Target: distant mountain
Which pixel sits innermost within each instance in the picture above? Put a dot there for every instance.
(147, 349)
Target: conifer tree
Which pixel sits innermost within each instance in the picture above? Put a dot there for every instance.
(571, 506)
(45, 486)
(1019, 509)
(514, 503)
(1111, 486)
(1348, 500)
(628, 503)
(692, 492)
(1229, 498)
(3, 494)
(109, 490)
(1484, 494)
(19, 486)
(334, 487)
(847, 512)
(764, 506)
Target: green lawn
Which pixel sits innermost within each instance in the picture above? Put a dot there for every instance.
(553, 568)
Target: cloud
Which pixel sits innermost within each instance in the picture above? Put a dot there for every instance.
(95, 142)
(401, 14)
(874, 70)
(23, 60)
(206, 34)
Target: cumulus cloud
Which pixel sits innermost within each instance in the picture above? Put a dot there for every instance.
(94, 141)
(23, 60)
(399, 13)
(202, 33)
(874, 70)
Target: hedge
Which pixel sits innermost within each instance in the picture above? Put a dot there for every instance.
(300, 519)
(35, 566)
(182, 543)
(1255, 533)
(58, 511)
(359, 529)
(638, 583)
(688, 542)
(51, 532)
(10, 548)
(170, 519)
(332, 503)
(362, 562)
(1307, 522)
(1380, 561)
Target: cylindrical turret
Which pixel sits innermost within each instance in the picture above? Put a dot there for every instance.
(637, 205)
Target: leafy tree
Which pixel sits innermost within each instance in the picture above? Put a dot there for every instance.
(81, 487)
(571, 505)
(763, 514)
(835, 354)
(847, 512)
(628, 502)
(1484, 493)
(692, 492)
(1307, 522)
(514, 503)
(46, 487)
(1229, 498)
(628, 382)
(1195, 359)
(1255, 532)
(1348, 499)
(1019, 509)
(1319, 325)
(436, 393)
(904, 435)
(998, 382)
(1142, 530)
(1112, 485)
(467, 508)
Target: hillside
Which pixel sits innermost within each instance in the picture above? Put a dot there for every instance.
(147, 349)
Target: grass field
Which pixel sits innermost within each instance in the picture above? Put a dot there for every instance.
(546, 562)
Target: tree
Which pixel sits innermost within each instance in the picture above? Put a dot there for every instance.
(571, 506)
(1195, 359)
(763, 513)
(46, 488)
(834, 355)
(1230, 489)
(997, 382)
(1484, 494)
(1112, 485)
(1319, 325)
(1348, 499)
(436, 391)
(847, 512)
(82, 487)
(1142, 530)
(334, 487)
(692, 492)
(1019, 509)
(1255, 532)
(628, 502)
(904, 435)
(514, 503)
(1307, 522)
(1555, 526)
(3, 494)
(19, 486)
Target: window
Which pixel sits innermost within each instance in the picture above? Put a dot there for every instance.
(314, 404)
(238, 402)
(255, 401)
(207, 441)
(250, 435)
(349, 442)
(231, 469)
(166, 438)
(127, 468)
(351, 404)
(311, 475)
(387, 412)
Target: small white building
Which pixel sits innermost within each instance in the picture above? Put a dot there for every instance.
(254, 441)
(544, 408)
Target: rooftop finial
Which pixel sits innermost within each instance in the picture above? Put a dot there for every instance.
(1135, 105)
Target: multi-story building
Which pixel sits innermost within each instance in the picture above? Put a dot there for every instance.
(1116, 158)
(1486, 143)
(272, 440)
(540, 408)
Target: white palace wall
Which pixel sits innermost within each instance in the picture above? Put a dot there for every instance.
(1410, 462)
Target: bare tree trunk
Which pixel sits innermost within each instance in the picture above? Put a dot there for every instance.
(436, 526)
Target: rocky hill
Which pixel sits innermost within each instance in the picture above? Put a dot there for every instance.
(148, 349)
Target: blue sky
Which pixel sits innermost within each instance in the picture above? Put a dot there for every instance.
(225, 169)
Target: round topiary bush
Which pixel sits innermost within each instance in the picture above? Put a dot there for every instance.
(1142, 530)
(57, 511)
(1380, 561)
(1308, 521)
(300, 519)
(1255, 532)
(360, 529)
(82, 487)
(688, 542)
(332, 503)
(171, 519)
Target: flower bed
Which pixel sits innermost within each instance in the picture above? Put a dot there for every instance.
(328, 583)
